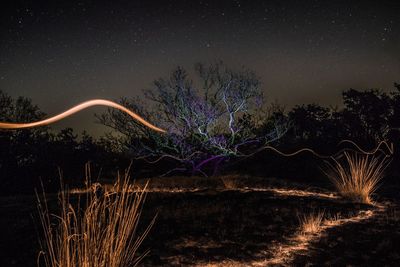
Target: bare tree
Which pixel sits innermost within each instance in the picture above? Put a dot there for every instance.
(208, 119)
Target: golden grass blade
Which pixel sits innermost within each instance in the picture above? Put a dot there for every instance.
(103, 234)
(311, 223)
(357, 176)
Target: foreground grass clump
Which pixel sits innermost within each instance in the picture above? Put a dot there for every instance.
(357, 177)
(311, 223)
(101, 232)
(230, 182)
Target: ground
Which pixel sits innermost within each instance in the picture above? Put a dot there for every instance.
(235, 221)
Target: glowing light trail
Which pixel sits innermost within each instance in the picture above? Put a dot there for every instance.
(77, 108)
(390, 148)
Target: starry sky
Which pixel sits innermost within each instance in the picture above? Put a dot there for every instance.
(59, 53)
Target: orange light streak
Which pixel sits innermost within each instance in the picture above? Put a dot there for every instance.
(77, 108)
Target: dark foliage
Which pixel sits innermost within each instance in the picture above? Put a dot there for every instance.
(28, 157)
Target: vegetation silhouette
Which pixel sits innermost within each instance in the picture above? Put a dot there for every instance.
(369, 118)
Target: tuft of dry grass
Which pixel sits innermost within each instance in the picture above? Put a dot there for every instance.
(311, 223)
(231, 182)
(102, 233)
(357, 177)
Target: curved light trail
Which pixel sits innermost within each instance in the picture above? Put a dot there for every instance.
(390, 147)
(77, 108)
(306, 149)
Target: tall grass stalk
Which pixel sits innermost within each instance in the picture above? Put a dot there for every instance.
(102, 233)
(357, 177)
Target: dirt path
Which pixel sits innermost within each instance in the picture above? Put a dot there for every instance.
(246, 227)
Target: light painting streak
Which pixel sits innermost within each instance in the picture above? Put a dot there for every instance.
(302, 150)
(77, 108)
(389, 147)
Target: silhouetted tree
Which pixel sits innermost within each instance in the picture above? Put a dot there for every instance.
(310, 122)
(28, 156)
(366, 115)
(20, 149)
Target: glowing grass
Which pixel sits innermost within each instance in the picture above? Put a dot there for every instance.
(358, 176)
(311, 223)
(103, 234)
(230, 182)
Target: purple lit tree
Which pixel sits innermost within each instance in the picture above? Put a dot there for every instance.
(209, 120)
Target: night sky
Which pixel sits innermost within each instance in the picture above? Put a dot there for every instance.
(62, 52)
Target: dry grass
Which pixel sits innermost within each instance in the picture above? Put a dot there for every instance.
(231, 182)
(333, 220)
(358, 176)
(103, 233)
(311, 223)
